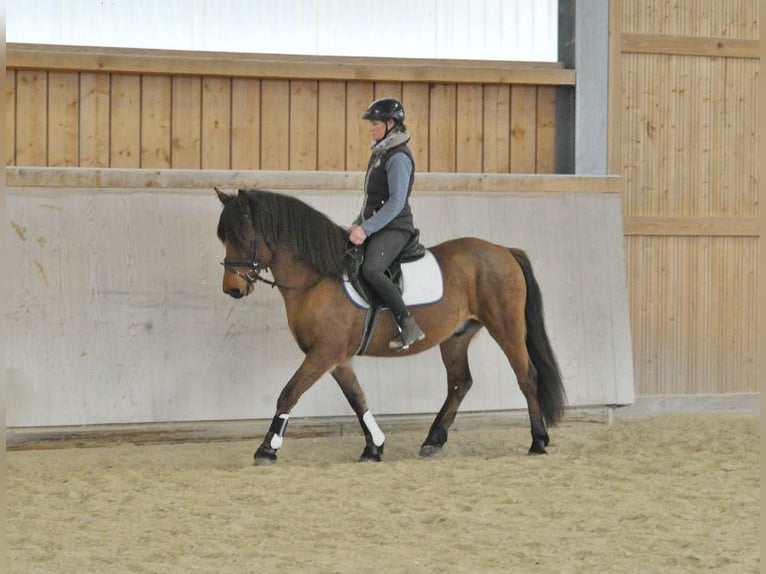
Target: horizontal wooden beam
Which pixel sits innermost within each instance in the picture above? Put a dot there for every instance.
(142, 179)
(175, 62)
(690, 46)
(691, 226)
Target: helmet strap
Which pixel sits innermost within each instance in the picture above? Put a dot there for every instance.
(389, 129)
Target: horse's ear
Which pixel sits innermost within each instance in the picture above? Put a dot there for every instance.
(224, 197)
(244, 202)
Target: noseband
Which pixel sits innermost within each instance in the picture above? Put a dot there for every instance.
(254, 268)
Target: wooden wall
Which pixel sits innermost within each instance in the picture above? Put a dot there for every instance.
(688, 153)
(86, 107)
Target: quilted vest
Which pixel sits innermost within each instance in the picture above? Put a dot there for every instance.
(377, 191)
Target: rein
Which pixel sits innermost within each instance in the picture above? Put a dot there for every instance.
(253, 273)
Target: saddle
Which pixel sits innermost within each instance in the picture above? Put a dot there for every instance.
(413, 251)
(415, 273)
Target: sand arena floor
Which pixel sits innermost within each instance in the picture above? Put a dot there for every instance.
(663, 494)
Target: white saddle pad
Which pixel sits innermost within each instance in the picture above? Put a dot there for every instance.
(421, 280)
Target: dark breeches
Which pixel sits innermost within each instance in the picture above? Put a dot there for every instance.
(381, 250)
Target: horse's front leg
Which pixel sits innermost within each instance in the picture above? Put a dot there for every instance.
(306, 375)
(374, 438)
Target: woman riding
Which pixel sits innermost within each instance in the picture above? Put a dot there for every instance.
(385, 222)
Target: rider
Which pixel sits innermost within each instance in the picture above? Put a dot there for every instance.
(385, 221)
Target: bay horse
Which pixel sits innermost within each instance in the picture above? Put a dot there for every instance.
(484, 285)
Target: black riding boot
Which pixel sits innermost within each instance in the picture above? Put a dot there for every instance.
(409, 333)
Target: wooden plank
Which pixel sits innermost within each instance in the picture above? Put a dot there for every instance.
(155, 121)
(304, 124)
(31, 118)
(10, 117)
(216, 123)
(331, 128)
(523, 129)
(125, 60)
(686, 226)
(692, 301)
(186, 122)
(415, 98)
(469, 128)
(275, 124)
(125, 118)
(614, 96)
(63, 119)
(94, 119)
(545, 160)
(388, 90)
(186, 179)
(245, 124)
(690, 46)
(442, 136)
(497, 114)
(358, 97)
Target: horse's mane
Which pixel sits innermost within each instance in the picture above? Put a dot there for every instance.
(288, 221)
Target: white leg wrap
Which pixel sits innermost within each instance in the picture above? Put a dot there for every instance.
(276, 438)
(378, 438)
(276, 441)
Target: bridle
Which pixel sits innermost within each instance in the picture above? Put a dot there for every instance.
(254, 269)
(253, 266)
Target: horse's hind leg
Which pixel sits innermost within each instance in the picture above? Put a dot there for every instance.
(507, 328)
(515, 350)
(374, 438)
(454, 353)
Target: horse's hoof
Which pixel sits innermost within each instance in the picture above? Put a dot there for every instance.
(428, 450)
(537, 448)
(372, 453)
(265, 455)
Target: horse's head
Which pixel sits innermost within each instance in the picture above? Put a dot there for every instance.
(246, 252)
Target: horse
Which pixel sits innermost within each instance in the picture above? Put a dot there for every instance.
(485, 285)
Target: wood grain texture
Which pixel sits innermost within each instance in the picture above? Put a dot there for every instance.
(690, 46)
(415, 98)
(186, 122)
(523, 127)
(155, 121)
(692, 208)
(275, 124)
(304, 124)
(31, 118)
(125, 121)
(95, 103)
(331, 126)
(216, 123)
(170, 62)
(64, 119)
(469, 129)
(442, 152)
(245, 124)
(497, 127)
(10, 117)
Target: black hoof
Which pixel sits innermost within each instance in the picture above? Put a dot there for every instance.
(538, 447)
(265, 455)
(428, 450)
(372, 453)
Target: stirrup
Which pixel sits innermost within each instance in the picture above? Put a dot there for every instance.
(409, 333)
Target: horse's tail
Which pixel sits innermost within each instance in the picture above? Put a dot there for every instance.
(550, 388)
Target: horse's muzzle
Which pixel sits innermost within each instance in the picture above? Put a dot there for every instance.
(235, 292)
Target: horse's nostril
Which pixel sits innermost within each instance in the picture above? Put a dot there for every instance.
(233, 292)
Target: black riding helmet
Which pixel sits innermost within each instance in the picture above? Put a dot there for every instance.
(385, 109)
